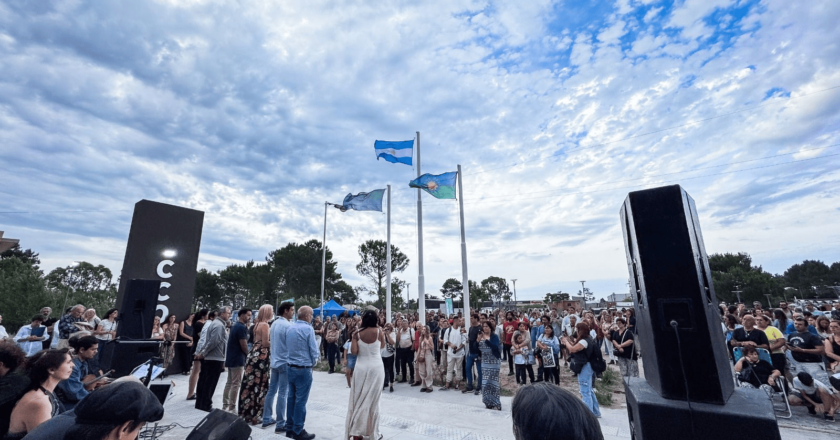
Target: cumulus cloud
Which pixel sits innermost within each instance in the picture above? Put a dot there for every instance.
(258, 112)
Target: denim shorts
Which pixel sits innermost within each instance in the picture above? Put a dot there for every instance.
(351, 361)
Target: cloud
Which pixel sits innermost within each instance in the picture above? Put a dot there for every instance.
(259, 112)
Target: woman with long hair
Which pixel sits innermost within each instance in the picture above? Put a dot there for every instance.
(257, 370)
(832, 347)
(580, 346)
(198, 325)
(106, 331)
(491, 361)
(388, 355)
(822, 325)
(780, 320)
(170, 335)
(185, 334)
(157, 330)
(46, 369)
(362, 420)
(547, 341)
(425, 359)
(331, 337)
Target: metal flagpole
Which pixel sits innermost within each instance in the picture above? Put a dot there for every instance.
(324, 260)
(466, 278)
(421, 285)
(388, 262)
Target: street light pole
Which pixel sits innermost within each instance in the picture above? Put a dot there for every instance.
(408, 297)
(770, 306)
(514, 291)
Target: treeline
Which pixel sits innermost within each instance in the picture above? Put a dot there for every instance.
(735, 272)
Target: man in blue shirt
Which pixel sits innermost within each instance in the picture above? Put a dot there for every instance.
(237, 349)
(279, 383)
(302, 355)
(73, 389)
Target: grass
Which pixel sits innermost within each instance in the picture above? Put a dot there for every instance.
(604, 387)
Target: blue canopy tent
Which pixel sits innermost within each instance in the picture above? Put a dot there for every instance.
(332, 308)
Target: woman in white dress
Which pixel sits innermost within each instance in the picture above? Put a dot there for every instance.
(366, 386)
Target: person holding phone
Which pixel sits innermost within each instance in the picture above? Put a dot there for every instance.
(454, 340)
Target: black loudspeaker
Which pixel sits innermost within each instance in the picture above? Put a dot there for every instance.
(137, 309)
(220, 425)
(688, 379)
(671, 281)
(124, 356)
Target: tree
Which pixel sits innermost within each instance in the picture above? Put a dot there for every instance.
(27, 256)
(374, 265)
(208, 294)
(344, 293)
(452, 288)
(556, 297)
(23, 292)
(84, 284)
(478, 294)
(248, 285)
(731, 272)
(496, 288)
(812, 278)
(297, 271)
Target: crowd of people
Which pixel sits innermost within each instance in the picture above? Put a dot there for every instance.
(50, 367)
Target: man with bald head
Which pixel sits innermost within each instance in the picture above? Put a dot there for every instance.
(749, 335)
(302, 356)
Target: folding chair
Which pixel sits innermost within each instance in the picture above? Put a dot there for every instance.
(780, 382)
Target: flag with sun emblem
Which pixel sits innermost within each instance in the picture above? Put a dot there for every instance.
(441, 186)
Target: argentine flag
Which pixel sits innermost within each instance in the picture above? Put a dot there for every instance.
(394, 152)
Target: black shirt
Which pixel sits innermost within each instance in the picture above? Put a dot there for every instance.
(473, 337)
(755, 335)
(762, 371)
(621, 338)
(807, 341)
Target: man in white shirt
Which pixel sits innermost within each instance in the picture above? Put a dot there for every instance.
(454, 339)
(811, 392)
(28, 343)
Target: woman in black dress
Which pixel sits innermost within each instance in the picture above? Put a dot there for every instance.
(185, 333)
(198, 324)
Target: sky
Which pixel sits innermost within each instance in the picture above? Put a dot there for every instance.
(258, 112)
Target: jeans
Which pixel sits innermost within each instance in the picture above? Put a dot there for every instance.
(332, 354)
(507, 348)
(586, 381)
(300, 382)
(473, 359)
(231, 394)
(388, 363)
(405, 357)
(279, 385)
(207, 381)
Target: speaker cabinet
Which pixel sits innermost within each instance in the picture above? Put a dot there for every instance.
(137, 309)
(220, 425)
(124, 356)
(671, 281)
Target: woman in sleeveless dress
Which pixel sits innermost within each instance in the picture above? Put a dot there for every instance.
(170, 334)
(46, 369)
(257, 370)
(366, 387)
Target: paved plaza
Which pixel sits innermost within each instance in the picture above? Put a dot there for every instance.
(407, 414)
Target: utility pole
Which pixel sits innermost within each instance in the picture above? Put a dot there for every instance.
(770, 306)
(408, 297)
(737, 292)
(514, 291)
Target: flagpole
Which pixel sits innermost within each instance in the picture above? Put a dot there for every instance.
(466, 277)
(324, 260)
(421, 284)
(388, 253)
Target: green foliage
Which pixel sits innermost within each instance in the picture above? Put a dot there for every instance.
(374, 266)
(556, 297)
(605, 385)
(452, 288)
(208, 294)
(297, 269)
(731, 272)
(496, 288)
(84, 284)
(813, 278)
(23, 292)
(28, 256)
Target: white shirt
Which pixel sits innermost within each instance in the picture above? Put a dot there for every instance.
(457, 339)
(3, 333)
(30, 347)
(54, 343)
(385, 353)
(107, 326)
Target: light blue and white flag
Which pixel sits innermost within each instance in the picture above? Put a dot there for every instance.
(362, 201)
(394, 152)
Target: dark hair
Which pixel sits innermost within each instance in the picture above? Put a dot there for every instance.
(476, 316)
(108, 313)
(97, 432)
(285, 306)
(747, 349)
(37, 318)
(211, 315)
(369, 319)
(540, 408)
(243, 312)
(83, 342)
(40, 364)
(167, 318)
(805, 378)
(732, 309)
(200, 314)
(632, 311)
(484, 315)
(731, 319)
(621, 320)
(783, 320)
(11, 355)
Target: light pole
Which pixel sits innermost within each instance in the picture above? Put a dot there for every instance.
(737, 292)
(769, 306)
(514, 291)
(408, 296)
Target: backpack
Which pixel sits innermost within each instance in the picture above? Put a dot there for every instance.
(596, 359)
